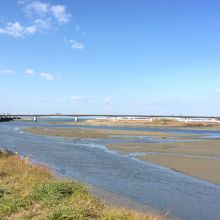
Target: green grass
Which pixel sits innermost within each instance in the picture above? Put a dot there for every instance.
(54, 192)
(31, 192)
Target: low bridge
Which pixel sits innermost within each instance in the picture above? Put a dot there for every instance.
(110, 115)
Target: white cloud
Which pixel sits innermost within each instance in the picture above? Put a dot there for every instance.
(7, 72)
(59, 12)
(47, 76)
(47, 10)
(13, 29)
(29, 71)
(31, 29)
(41, 16)
(78, 98)
(17, 30)
(42, 24)
(36, 7)
(76, 45)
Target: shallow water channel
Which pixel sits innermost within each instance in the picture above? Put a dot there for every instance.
(89, 161)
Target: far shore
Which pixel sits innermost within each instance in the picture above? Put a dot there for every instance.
(189, 155)
(163, 123)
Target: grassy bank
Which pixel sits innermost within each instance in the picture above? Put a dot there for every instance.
(30, 191)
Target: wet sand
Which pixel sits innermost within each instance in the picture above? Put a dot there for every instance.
(205, 169)
(208, 148)
(116, 200)
(199, 158)
(102, 133)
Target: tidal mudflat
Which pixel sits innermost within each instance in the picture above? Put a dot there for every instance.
(104, 133)
(90, 160)
(192, 154)
(197, 158)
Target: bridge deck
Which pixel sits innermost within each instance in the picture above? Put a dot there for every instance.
(109, 115)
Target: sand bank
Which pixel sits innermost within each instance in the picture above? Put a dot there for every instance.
(209, 148)
(198, 158)
(202, 168)
(102, 133)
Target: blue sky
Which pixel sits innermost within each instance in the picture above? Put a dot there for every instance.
(110, 56)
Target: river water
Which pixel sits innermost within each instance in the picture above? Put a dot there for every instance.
(89, 161)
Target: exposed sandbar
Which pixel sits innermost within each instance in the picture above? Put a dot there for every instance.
(100, 133)
(205, 169)
(210, 148)
(200, 159)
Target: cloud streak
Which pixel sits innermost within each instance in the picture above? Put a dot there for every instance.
(29, 72)
(7, 72)
(43, 75)
(47, 76)
(76, 45)
(78, 98)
